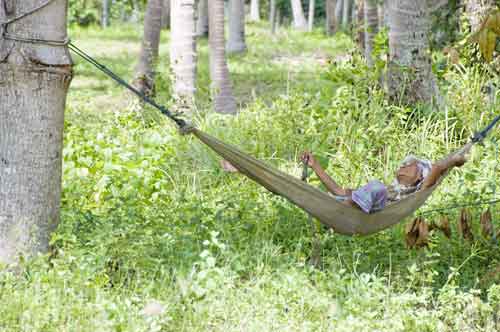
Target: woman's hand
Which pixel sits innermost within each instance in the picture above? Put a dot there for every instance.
(308, 158)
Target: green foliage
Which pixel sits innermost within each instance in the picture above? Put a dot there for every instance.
(148, 214)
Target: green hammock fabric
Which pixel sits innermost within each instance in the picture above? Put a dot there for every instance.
(341, 218)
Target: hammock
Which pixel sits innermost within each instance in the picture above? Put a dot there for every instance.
(343, 219)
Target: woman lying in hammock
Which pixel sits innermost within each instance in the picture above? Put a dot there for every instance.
(413, 174)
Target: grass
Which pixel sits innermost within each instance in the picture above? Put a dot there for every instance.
(149, 220)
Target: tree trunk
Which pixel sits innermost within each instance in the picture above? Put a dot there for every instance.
(105, 13)
(34, 80)
(339, 9)
(476, 11)
(254, 11)
(136, 10)
(299, 21)
(331, 22)
(222, 90)
(236, 40)
(360, 25)
(272, 16)
(202, 21)
(310, 23)
(382, 17)
(410, 77)
(183, 52)
(371, 28)
(145, 74)
(165, 14)
(346, 14)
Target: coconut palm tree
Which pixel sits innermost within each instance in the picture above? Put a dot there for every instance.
(236, 41)
(410, 77)
(371, 28)
(105, 13)
(33, 97)
(299, 20)
(331, 22)
(222, 91)
(183, 52)
(254, 11)
(202, 21)
(145, 74)
(165, 15)
(310, 16)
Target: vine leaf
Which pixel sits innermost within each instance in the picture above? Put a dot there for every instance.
(487, 35)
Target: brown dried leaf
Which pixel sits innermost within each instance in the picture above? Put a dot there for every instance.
(417, 233)
(493, 22)
(411, 231)
(444, 226)
(486, 224)
(464, 227)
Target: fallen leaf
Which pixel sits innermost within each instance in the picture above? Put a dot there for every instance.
(417, 233)
(486, 224)
(464, 227)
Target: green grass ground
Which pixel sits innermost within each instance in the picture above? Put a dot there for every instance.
(156, 237)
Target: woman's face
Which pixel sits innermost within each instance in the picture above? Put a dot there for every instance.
(409, 175)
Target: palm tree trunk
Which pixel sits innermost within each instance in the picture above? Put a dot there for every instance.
(382, 15)
(339, 9)
(331, 22)
(236, 41)
(346, 14)
(310, 22)
(165, 14)
(34, 80)
(105, 13)
(254, 11)
(410, 77)
(222, 90)
(145, 74)
(272, 15)
(299, 21)
(183, 52)
(371, 28)
(202, 21)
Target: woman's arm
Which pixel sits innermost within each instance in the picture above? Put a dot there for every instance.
(329, 183)
(440, 167)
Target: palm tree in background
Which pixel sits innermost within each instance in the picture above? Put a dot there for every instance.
(145, 73)
(183, 52)
(410, 77)
(222, 91)
(236, 40)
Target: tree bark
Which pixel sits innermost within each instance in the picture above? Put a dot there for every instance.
(183, 52)
(310, 22)
(202, 21)
(145, 73)
(410, 77)
(371, 28)
(165, 14)
(339, 9)
(299, 20)
(382, 15)
(34, 80)
(254, 11)
(105, 13)
(476, 11)
(221, 87)
(272, 15)
(331, 22)
(346, 14)
(236, 41)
